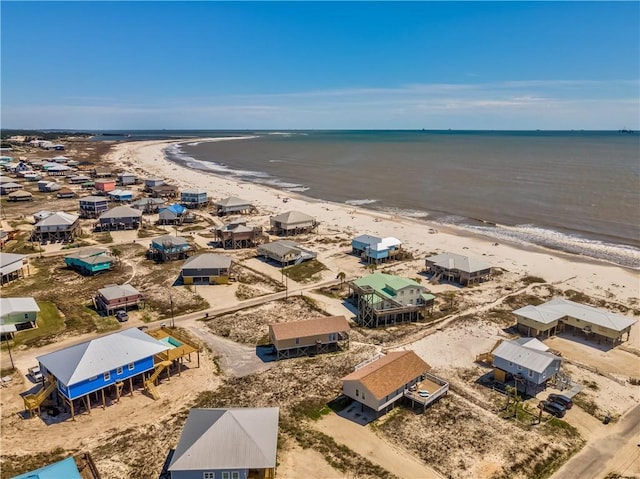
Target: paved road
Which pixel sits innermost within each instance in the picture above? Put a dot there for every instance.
(619, 452)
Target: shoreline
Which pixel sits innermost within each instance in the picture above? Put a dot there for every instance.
(595, 275)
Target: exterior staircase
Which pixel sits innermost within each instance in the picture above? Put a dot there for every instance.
(150, 384)
(32, 402)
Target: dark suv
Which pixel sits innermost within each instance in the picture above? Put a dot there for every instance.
(562, 400)
(558, 410)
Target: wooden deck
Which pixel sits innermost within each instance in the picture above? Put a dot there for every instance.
(433, 385)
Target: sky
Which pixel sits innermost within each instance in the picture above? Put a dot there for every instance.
(320, 65)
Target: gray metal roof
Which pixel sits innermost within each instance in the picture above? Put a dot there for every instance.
(293, 217)
(90, 251)
(171, 240)
(280, 248)
(94, 199)
(85, 360)
(528, 358)
(207, 261)
(18, 305)
(10, 262)
(232, 201)
(558, 308)
(242, 438)
(123, 211)
(118, 291)
(57, 219)
(459, 262)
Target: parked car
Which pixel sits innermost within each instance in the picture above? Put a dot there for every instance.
(557, 410)
(562, 400)
(121, 315)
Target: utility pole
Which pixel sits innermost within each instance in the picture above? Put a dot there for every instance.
(173, 324)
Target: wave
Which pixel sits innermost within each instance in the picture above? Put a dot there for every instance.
(366, 201)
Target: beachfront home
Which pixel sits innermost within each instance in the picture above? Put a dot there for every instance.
(78, 179)
(313, 336)
(529, 362)
(233, 205)
(164, 191)
(46, 186)
(379, 383)
(65, 193)
(12, 267)
(172, 215)
(93, 206)
(114, 297)
(120, 218)
(17, 314)
(148, 205)
(194, 198)
(32, 176)
(99, 365)
(152, 183)
(206, 268)
(292, 223)
(458, 268)
(101, 172)
(375, 250)
(104, 186)
(237, 234)
(285, 252)
(384, 299)
(89, 261)
(7, 187)
(121, 196)
(59, 170)
(560, 315)
(234, 443)
(167, 248)
(59, 226)
(124, 179)
(20, 196)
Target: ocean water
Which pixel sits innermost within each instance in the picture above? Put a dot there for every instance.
(575, 191)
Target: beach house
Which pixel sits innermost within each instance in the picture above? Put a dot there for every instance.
(194, 198)
(375, 250)
(237, 234)
(560, 315)
(164, 191)
(292, 223)
(168, 248)
(148, 205)
(7, 187)
(66, 469)
(233, 205)
(20, 196)
(312, 336)
(59, 170)
(101, 172)
(457, 268)
(152, 183)
(78, 179)
(120, 218)
(114, 297)
(59, 226)
(105, 364)
(206, 268)
(285, 252)
(121, 196)
(172, 215)
(90, 261)
(379, 383)
(105, 185)
(17, 314)
(93, 206)
(126, 178)
(13, 266)
(234, 443)
(528, 362)
(384, 299)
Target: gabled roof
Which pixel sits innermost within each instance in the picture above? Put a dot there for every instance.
(207, 261)
(242, 438)
(559, 308)
(8, 261)
(528, 358)
(232, 201)
(376, 243)
(459, 262)
(175, 208)
(281, 247)
(117, 291)
(57, 219)
(85, 360)
(92, 255)
(532, 343)
(66, 469)
(387, 374)
(94, 199)
(123, 211)
(170, 240)
(310, 327)
(18, 305)
(293, 217)
(386, 284)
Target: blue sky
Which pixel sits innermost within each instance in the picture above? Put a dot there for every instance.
(334, 65)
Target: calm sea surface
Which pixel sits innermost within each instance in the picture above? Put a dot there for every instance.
(576, 191)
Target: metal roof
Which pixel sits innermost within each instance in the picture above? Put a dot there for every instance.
(123, 211)
(528, 358)
(241, 438)
(310, 327)
(66, 469)
(233, 201)
(376, 243)
(10, 262)
(94, 199)
(59, 218)
(194, 191)
(85, 360)
(207, 261)
(532, 343)
(293, 217)
(168, 239)
(17, 305)
(281, 247)
(117, 291)
(387, 284)
(459, 262)
(558, 308)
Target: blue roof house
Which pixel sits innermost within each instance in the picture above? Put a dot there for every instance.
(66, 469)
(121, 195)
(100, 363)
(373, 249)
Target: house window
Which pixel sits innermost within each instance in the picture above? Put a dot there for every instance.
(130, 367)
(235, 475)
(510, 363)
(225, 475)
(26, 315)
(530, 373)
(362, 394)
(119, 370)
(297, 340)
(357, 393)
(211, 475)
(519, 367)
(107, 376)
